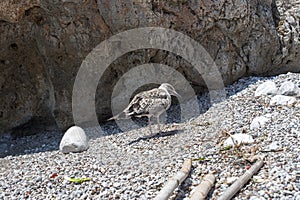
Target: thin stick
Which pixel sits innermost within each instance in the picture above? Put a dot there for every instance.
(238, 184)
(203, 188)
(175, 181)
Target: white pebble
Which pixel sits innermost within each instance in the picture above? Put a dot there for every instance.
(266, 88)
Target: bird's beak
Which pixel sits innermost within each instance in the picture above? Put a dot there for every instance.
(176, 94)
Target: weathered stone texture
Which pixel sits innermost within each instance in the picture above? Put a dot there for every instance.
(13, 10)
(288, 30)
(43, 43)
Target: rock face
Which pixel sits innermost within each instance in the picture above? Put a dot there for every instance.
(44, 42)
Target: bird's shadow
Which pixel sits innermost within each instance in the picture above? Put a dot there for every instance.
(157, 135)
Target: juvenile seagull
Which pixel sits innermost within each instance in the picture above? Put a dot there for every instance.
(151, 103)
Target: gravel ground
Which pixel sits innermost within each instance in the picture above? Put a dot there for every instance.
(130, 165)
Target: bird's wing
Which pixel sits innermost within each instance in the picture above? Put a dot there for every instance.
(148, 102)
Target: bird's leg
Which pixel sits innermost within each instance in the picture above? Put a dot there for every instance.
(158, 124)
(149, 124)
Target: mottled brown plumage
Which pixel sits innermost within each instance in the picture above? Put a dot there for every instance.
(149, 103)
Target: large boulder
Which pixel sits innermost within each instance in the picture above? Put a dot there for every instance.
(43, 44)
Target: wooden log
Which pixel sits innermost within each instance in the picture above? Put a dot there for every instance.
(203, 188)
(175, 181)
(238, 184)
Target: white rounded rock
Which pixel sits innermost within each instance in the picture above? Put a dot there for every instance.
(274, 146)
(74, 140)
(266, 88)
(238, 139)
(281, 100)
(231, 180)
(288, 88)
(259, 122)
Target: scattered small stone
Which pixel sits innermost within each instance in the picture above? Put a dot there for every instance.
(258, 179)
(231, 180)
(274, 146)
(116, 185)
(38, 179)
(255, 198)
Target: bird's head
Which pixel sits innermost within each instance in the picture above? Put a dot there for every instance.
(170, 89)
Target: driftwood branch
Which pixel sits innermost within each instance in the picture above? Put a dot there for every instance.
(175, 181)
(203, 188)
(238, 184)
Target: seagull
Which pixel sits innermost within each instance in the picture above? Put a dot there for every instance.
(151, 103)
